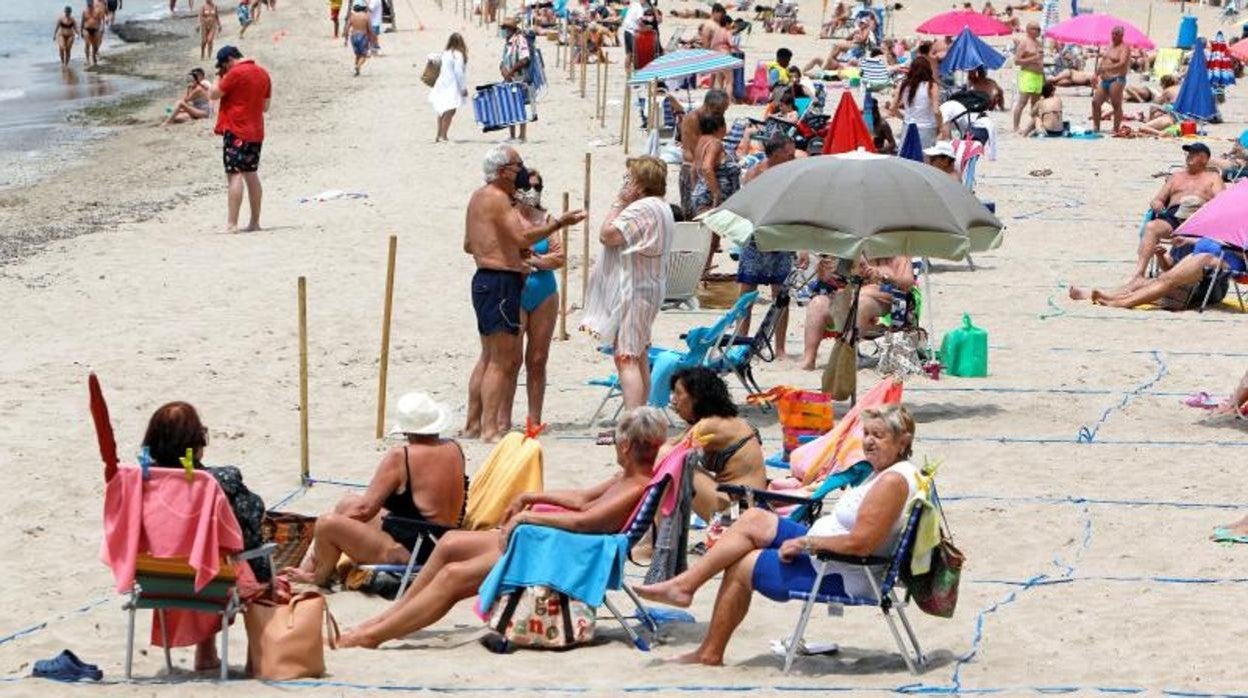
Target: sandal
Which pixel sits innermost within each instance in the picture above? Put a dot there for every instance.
(1201, 401)
(67, 667)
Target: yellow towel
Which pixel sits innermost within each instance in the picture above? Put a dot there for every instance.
(928, 536)
(1167, 63)
(514, 467)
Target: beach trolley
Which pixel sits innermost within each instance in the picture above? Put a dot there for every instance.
(502, 104)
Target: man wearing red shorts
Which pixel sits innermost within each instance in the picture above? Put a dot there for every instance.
(244, 89)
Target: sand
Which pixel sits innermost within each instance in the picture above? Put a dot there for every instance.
(164, 306)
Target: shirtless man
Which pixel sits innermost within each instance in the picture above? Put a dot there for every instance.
(1179, 286)
(979, 81)
(710, 28)
(938, 51)
(1029, 57)
(209, 27)
(93, 30)
(360, 33)
(496, 237)
(1144, 94)
(1111, 79)
(1196, 180)
(715, 102)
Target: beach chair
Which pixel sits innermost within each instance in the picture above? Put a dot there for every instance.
(428, 534)
(759, 91)
(170, 584)
(733, 138)
(1213, 277)
(699, 342)
(1167, 62)
(691, 245)
(875, 76)
(885, 597)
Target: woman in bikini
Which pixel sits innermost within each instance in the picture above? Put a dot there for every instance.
(194, 104)
(421, 480)
(1047, 113)
(92, 32)
(539, 300)
(63, 35)
(732, 447)
(209, 27)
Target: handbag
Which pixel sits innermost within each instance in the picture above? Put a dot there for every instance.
(433, 68)
(936, 591)
(840, 376)
(284, 641)
(541, 617)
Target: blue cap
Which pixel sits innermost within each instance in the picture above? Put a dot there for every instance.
(226, 53)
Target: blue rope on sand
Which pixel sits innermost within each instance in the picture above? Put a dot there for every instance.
(1087, 434)
(31, 629)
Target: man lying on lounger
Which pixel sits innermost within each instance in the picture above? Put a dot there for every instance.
(1180, 284)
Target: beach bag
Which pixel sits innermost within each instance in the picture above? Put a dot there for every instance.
(433, 68)
(512, 468)
(840, 376)
(801, 412)
(284, 640)
(935, 591)
(291, 533)
(542, 618)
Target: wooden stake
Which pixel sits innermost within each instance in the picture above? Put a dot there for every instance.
(304, 473)
(385, 339)
(563, 277)
(597, 88)
(585, 242)
(602, 109)
(624, 118)
(584, 62)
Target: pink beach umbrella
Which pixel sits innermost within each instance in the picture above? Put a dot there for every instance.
(1094, 30)
(952, 24)
(1239, 49)
(1221, 219)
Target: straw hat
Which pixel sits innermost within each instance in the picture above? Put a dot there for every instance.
(417, 413)
(1188, 206)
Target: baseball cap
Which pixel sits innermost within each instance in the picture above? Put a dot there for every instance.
(226, 53)
(944, 148)
(1198, 148)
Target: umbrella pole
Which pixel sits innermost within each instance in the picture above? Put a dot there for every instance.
(927, 305)
(585, 240)
(304, 474)
(563, 278)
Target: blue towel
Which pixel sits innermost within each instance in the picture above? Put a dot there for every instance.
(583, 566)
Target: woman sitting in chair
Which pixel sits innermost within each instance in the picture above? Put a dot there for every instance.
(874, 298)
(175, 429)
(771, 555)
(421, 480)
(732, 446)
(462, 559)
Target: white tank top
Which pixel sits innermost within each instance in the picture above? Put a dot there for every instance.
(919, 111)
(845, 513)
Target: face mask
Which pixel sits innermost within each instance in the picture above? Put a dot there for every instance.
(522, 178)
(531, 198)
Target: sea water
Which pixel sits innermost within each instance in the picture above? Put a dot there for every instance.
(36, 94)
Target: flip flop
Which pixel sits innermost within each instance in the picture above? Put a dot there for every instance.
(1224, 535)
(67, 667)
(1200, 400)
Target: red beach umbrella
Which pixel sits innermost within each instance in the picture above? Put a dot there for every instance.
(848, 132)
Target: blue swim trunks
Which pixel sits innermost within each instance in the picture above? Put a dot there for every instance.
(359, 44)
(1230, 257)
(496, 301)
(775, 579)
(758, 268)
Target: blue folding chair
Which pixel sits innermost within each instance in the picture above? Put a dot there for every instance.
(884, 597)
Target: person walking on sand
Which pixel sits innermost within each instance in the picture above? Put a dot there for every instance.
(209, 27)
(245, 18)
(451, 88)
(190, 5)
(515, 66)
(375, 12)
(111, 11)
(244, 90)
(360, 34)
(92, 33)
(335, 12)
(1111, 80)
(497, 237)
(1029, 57)
(63, 35)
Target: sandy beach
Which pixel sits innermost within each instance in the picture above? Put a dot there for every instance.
(1089, 561)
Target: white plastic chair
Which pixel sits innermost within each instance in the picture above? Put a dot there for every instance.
(691, 245)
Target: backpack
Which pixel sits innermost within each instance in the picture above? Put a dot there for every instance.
(539, 617)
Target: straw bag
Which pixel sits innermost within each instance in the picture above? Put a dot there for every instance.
(284, 641)
(840, 376)
(293, 535)
(433, 68)
(541, 617)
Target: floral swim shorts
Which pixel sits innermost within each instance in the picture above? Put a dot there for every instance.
(240, 155)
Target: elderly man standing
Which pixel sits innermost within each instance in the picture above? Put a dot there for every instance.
(1111, 80)
(244, 89)
(1196, 182)
(1029, 57)
(498, 238)
(716, 103)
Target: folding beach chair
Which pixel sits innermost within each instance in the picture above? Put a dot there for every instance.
(884, 598)
(733, 138)
(699, 342)
(804, 510)
(875, 75)
(427, 536)
(1218, 276)
(162, 583)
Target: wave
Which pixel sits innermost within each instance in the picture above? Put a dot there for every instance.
(9, 95)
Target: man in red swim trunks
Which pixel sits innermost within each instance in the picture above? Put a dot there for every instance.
(244, 89)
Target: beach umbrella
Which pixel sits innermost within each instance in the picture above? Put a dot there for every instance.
(1095, 30)
(679, 64)
(969, 52)
(1239, 49)
(950, 23)
(103, 428)
(858, 203)
(1195, 98)
(1221, 219)
(911, 144)
(848, 131)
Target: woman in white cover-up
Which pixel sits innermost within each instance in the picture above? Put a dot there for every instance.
(451, 88)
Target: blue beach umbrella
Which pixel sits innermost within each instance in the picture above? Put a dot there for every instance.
(969, 52)
(911, 145)
(1195, 98)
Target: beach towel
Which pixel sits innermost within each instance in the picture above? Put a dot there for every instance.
(671, 543)
(583, 566)
(842, 447)
(512, 468)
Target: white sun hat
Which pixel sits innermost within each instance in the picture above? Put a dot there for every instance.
(417, 413)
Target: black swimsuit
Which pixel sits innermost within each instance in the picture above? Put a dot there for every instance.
(401, 509)
(716, 463)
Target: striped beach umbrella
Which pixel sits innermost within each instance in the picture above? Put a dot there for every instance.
(679, 64)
